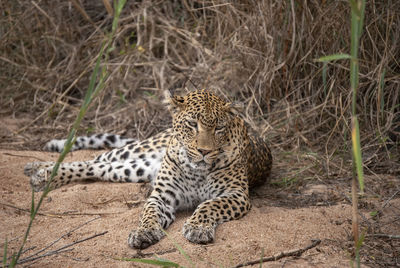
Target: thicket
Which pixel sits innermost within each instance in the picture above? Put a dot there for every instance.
(261, 53)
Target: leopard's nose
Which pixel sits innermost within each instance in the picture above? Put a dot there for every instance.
(204, 152)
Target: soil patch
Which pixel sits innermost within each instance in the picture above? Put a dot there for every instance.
(277, 222)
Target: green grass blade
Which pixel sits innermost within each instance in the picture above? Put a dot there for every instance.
(180, 249)
(339, 56)
(354, 81)
(358, 247)
(162, 263)
(361, 21)
(5, 253)
(92, 82)
(355, 137)
(33, 203)
(118, 6)
(357, 17)
(353, 4)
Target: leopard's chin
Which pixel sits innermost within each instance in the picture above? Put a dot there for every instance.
(202, 164)
(199, 165)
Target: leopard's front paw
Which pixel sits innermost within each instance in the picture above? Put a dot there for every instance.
(39, 180)
(197, 233)
(31, 168)
(143, 238)
(39, 174)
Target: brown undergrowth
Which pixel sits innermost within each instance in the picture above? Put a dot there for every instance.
(260, 53)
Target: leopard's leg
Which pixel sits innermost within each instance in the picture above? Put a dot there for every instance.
(232, 202)
(132, 170)
(200, 227)
(158, 212)
(156, 216)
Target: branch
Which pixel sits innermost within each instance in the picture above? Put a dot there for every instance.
(60, 215)
(386, 236)
(390, 198)
(141, 255)
(61, 237)
(281, 255)
(61, 249)
(24, 209)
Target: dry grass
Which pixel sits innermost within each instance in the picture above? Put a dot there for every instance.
(258, 52)
(261, 53)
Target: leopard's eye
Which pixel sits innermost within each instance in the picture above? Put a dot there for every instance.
(192, 123)
(219, 128)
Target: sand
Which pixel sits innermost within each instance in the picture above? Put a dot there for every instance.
(278, 222)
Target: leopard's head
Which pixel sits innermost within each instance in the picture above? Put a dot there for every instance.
(203, 123)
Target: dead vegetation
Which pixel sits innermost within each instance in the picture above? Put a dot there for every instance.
(261, 53)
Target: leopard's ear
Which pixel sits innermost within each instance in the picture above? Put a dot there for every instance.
(174, 103)
(234, 108)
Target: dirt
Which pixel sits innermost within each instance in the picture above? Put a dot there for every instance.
(283, 219)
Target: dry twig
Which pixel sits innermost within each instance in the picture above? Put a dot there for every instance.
(61, 237)
(140, 254)
(59, 215)
(385, 236)
(61, 249)
(292, 253)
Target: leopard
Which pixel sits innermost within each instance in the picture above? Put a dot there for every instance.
(206, 162)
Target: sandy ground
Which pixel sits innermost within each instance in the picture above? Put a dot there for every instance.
(278, 222)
